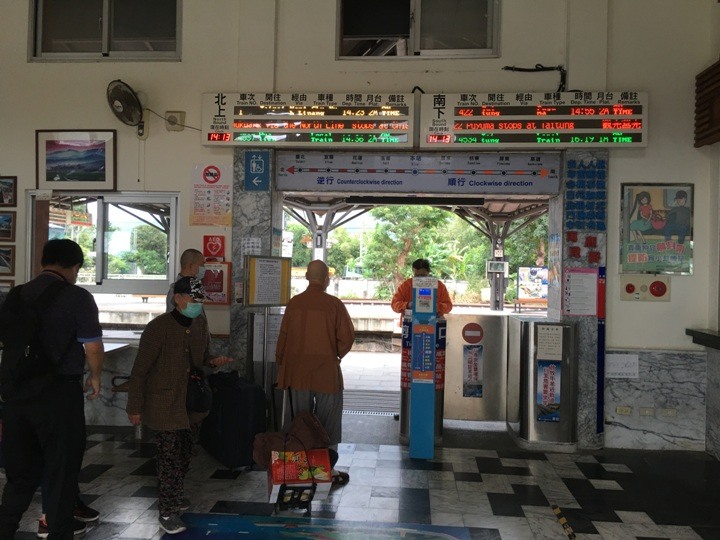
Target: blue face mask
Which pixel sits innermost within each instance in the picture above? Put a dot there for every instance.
(192, 310)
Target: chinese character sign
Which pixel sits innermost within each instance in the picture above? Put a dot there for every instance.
(657, 229)
(548, 391)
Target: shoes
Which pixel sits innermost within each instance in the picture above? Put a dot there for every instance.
(84, 513)
(78, 528)
(340, 478)
(172, 524)
(185, 504)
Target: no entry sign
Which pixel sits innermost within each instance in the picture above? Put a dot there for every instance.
(472, 333)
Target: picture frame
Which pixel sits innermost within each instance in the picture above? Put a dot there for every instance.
(656, 229)
(8, 191)
(6, 285)
(72, 160)
(8, 221)
(7, 260)
(216, 282)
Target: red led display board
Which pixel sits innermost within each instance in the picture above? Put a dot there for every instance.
(533, 120)
(338, 119)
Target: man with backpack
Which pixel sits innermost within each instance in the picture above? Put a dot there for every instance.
(49, 328)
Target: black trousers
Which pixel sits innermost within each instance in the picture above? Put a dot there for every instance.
(46, 434)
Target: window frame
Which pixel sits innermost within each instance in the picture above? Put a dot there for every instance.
(413, 52)
(36, 54)
(111, 286)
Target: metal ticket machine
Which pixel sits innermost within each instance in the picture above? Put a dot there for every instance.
(422, 385)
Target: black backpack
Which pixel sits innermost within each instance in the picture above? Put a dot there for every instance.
(26, 368)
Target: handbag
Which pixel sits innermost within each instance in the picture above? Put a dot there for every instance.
(199, 395)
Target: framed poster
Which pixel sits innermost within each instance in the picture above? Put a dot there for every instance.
(75, 160)
(7, 260)
(216, 282)
(267, 281)
(7, 226)
(8, 190)
(6, 285)
(656, 234)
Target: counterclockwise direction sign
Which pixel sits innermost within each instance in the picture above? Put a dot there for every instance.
(472, 333)
(211, 174)
(473, 172)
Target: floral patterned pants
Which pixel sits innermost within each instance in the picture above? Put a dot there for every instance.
(174, 450)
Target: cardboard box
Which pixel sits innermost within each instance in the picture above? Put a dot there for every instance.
(297, 473)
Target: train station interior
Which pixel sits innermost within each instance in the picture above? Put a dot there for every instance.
(592, 411)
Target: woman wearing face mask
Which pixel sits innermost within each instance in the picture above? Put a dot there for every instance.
(170, 344)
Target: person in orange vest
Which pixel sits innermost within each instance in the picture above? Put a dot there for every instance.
(402, 299)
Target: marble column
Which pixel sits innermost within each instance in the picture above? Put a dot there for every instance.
(578, 239)
(257, 222)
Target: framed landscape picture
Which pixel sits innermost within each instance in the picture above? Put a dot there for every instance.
(8, 191)
(7, 226)
(75, 160)
(7, 260)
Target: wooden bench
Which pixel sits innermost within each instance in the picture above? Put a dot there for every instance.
(530, 303)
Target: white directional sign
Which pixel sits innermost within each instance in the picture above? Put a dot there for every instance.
(455, 173)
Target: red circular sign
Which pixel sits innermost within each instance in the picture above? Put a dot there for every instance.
(211, 174)
(472, 333)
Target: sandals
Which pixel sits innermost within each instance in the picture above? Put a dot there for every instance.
(340, 479)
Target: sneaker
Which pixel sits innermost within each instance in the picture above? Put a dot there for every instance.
(185, 504)
(172, 524)
(84, 513)
(78, 528)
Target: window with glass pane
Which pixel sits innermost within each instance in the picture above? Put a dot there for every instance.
(455, 25)
(71, 26)
(97, 29)
(127, 241)
(139, 25)
(439, 28)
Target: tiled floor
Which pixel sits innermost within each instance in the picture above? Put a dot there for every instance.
(479, 480)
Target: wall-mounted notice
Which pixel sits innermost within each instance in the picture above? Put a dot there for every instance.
(549, 341)
(301, 119)
(211, 195)
(533, 120)
(267, 281)
(580, 291)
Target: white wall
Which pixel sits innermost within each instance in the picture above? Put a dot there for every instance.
(654, 46)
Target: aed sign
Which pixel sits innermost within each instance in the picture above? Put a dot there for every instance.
(214, 247)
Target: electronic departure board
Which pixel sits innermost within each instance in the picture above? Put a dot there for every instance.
(533, 120)
(338, 119)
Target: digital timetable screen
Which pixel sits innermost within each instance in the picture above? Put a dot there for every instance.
(341, 119)
(533, 120)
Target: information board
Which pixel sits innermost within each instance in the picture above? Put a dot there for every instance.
(267, 281)
(533, 120)
(453, 173)
(308, 119)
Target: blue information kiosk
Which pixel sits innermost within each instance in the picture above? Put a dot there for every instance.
(422, 386)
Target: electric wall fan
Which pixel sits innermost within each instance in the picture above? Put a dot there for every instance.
(126, 105)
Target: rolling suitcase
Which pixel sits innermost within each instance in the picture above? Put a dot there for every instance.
(238, 414)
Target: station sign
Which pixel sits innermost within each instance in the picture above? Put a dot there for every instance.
(533, 120)
(338, 119)
(454, 173)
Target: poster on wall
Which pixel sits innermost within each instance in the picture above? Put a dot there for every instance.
(548, 391)
(532, 282)
(211, 196)
(656, 234)
(472, 370)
